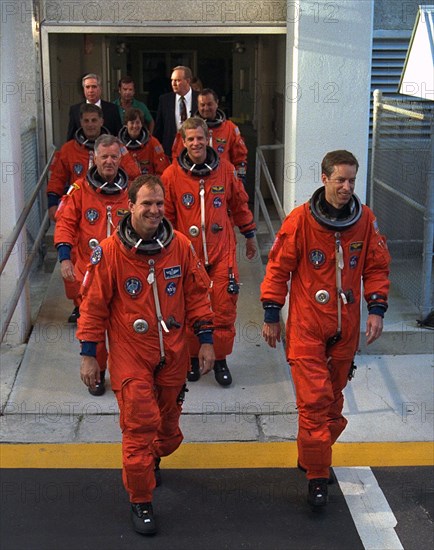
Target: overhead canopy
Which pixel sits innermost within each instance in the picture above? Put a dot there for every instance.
(417, 78)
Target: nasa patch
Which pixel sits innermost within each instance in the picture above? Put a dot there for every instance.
(317, 258)
(172, 272)
(96, 255)
(187, 200)
(217, 202)
(171, 288)
(91, 215)
(220, 149)
(133, 286)
(78, 169)
(353, 262)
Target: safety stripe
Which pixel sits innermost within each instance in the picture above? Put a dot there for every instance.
(214, 455)
(374, 520)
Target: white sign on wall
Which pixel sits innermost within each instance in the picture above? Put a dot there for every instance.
(417, 77)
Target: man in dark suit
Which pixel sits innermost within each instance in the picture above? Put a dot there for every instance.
(92, 92)
(175, 107)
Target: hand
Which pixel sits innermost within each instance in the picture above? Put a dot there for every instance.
(271, 333)
(374, 328)
(89, 371)
(52, 213)
(250, 248)
(206, 358)
(67, 270)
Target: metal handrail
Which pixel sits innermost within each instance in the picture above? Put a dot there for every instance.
(13, 239)
(260, 205)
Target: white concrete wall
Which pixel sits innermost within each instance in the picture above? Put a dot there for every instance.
(327, 90)
(21, 101)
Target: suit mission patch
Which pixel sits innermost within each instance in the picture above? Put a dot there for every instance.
(133, 286)
(187, 200)
(78, 168)
(317, 258)
(91, 215)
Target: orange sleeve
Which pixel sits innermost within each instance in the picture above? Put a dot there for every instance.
(282, 261)
(377, 264)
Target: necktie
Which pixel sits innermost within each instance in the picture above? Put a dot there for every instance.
(182, 109)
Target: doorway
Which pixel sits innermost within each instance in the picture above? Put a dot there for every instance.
(246, 71)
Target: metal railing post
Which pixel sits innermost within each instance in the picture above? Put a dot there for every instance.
(427, 256)
(377, 102)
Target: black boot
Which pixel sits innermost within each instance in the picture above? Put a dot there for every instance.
(193, 374)
(142, 516)
(317, 495)
(332, 477)
(222, 373)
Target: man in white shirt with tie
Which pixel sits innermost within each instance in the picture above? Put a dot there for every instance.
(171, 113)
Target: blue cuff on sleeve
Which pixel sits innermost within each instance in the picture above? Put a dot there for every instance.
(88, 348)
(205, 337)
(376, 310)
(272, 315)
(52, 199)
(63, 252)
(249, 234)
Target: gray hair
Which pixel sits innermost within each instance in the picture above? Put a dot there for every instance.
(91, 75)
(106, 140)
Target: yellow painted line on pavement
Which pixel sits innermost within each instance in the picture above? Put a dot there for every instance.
(214, 455)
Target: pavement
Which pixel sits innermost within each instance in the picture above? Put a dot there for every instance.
(44, 401)
(237, 441)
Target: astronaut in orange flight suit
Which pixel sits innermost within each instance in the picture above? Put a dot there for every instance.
(145, 285)
(145, 149)
(326, 246)
(76, 156)
(88, 213)
(200, 190)
(224, 135)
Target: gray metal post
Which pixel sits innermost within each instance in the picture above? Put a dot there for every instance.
(377, 101)
(427, 260)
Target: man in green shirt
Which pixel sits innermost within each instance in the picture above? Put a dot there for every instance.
(127, 101)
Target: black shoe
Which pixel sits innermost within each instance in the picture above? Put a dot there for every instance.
(221, 373)
(142, 516)
(74, 315)
(193, 374)
(157, 472)
(317, 495)
(332, 477)
(99, 388)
